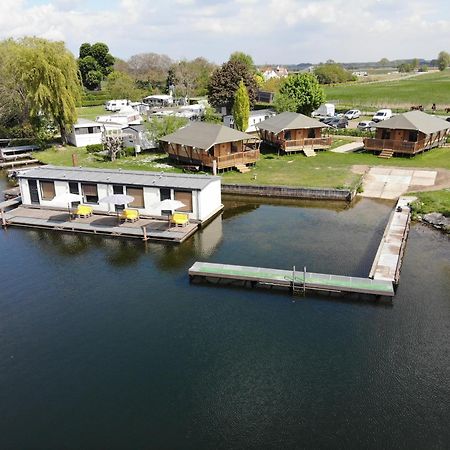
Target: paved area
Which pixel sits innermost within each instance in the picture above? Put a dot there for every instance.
(388, 183)
(351, 147)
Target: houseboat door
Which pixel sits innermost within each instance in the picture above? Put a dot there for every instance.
(34, 195)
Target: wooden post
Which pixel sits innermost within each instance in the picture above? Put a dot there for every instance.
(304, 280)
(144, 231)
(3, 217)
(74, 160)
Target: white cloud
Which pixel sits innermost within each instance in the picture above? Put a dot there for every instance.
(271, 30)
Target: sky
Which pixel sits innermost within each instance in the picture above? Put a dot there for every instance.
(272, 31)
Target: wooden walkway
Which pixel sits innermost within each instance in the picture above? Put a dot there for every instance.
(293, 280)
(145, 229)
(389, 257)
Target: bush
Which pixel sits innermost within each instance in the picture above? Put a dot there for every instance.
(349, 132)
(94, 148)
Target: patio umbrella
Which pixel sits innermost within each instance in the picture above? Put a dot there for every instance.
(68, 198)
(117, 199)
(170, 205)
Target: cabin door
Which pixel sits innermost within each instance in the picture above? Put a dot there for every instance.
(34, 195)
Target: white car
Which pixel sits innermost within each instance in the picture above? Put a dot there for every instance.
(382, 114)
(353, 114)
(366, 125)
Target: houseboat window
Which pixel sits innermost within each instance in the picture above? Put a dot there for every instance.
(73, 188)
(138, 194)
(412, 136)
(90, 130)
(385, 134)
(90, 193)
(117, 189)
(311, 133)
(47, 190)
(164, 194)
(186, 198)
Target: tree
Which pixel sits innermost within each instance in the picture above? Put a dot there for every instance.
(243, 58)
(150, 69)
(161, 126)
(121, 85)
(384, 62)
(241, 108)
(404, 68)
(49, 74)
(301, 93)
(443, 60)
(225, 81)
(113, 143)
(210, 116)
(415, 63)
(95, 63)
(332, 73)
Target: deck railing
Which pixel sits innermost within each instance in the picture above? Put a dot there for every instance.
(306, 142)
(401, 146)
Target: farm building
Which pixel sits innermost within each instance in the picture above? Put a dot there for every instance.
(85, 132)
(211, 146)
(408, 134)
(46, 187)
(255, 118)
(292, 132)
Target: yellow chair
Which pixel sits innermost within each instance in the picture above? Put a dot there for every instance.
(180, 219)
(130, 215)
(84, 211)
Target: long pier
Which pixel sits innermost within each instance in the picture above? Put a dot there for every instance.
(383, 277)
(295, 281)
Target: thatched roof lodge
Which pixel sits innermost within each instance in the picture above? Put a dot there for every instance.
(211, 145)
(408, 134)
(293, 132)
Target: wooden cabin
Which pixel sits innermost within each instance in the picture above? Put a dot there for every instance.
(408, 134)
(292, 132)
(211, 146)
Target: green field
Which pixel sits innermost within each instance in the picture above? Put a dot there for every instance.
(402, 94)
(327, 169)
(432, 201)
(91, 112)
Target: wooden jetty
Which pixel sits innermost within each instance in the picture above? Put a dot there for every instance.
(296, 281)
(20, 151)
(147, 229)
(389, 257)
(17, 163)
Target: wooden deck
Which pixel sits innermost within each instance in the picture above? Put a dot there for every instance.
(295, 281)
(144, 228)
(402, 147)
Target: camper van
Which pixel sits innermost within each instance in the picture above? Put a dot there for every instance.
(325, 110)
(115, 105)
(382, 114)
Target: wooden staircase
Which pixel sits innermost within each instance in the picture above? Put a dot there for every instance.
(308, 151)
(386, 154)
(242, 168)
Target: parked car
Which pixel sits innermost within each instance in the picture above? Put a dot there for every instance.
(338, 122)
(382, 114)
(366, 125)
(353, 114)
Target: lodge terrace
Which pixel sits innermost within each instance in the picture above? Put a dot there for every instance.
(292, 132)
(408, 134)
(211, 146)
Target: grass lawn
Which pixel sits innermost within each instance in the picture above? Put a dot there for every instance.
(327, 169)
(91, 112)
(432, 201)
(422, 89)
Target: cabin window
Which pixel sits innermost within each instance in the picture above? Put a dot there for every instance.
(90, 193)
(412, 137)
(311, 133)
(186, 198)
(74, 188)
(138, 194)
(117, 189)
(164, 194)
(234, 147)
(385, 134)
(47, 190)
(287, 135)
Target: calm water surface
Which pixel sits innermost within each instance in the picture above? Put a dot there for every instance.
(105, 344)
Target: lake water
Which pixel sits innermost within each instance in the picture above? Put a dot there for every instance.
(105, 344)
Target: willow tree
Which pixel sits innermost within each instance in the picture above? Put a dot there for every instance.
(49, 74)
(241, 107)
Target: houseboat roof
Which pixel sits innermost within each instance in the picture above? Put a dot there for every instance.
(83, 123)
(204, 135)
(416, 121)
(123, 177)
(288, 121)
